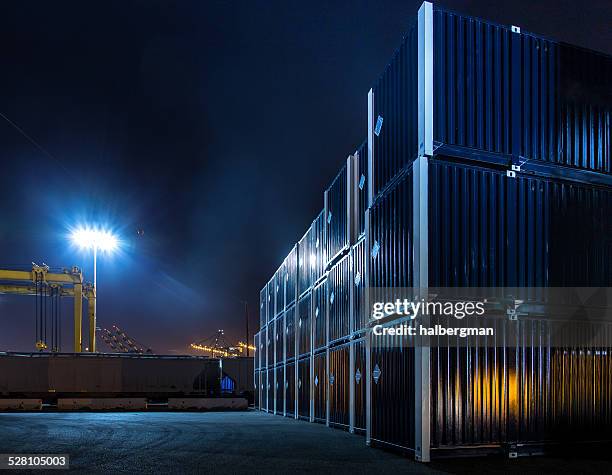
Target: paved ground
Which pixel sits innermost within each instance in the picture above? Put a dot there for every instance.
(239, 442)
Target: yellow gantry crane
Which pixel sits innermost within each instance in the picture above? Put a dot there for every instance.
(67, 283)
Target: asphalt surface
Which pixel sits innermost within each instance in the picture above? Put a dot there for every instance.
(229, 442)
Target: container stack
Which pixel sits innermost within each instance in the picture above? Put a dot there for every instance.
(487, 164)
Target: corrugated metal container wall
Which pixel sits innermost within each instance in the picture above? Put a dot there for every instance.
(290, 333)
(319, 315)
(304, 325)
(304, 262)
(271, 300)
(318, 257)
(336, 216)
(339, 386)
(270, 392)
(270, 337)
(279, 385)
(508, 93)
(396, 114)
(263, 307)
(263, 391)
(303, 388)
(525, 391)
(338, 301)
(290, 390)
(390, 253)
(320, 387)
(291, 267)
(472, 88)
(359, 382)
(256, 358)
(580, 127)
(360, 313)
(279, 337)
(489, 230)
(279, 290)
(263, 348)
(393, 388)
(470, 206)
(362, 186)
(562, 219)
(256, 390)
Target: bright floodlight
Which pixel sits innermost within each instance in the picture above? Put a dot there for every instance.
(87, 238)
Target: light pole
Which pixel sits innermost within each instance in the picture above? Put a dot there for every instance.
(95, 239)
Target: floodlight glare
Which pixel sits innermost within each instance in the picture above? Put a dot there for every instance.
(96, 239)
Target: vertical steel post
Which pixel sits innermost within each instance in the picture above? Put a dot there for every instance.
(351, 380)
(327, 388)
(353, 226)
(368, 383)
(368, 368)
(311, 349)
(352, 198)
(284, 381)
(370, 147)
(425, 78)
(421, 281)
(295, 340)
(422, 360)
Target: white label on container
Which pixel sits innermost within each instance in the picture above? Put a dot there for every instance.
(331, 379)
(316, 381)
(362, 181)
(375, 249)
(357, 278)
(358, 376)
(331, 298)
(379, 123)
(376, 373)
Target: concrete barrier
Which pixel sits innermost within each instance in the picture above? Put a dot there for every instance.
(208, 404)
(20, 404)
(102, 404)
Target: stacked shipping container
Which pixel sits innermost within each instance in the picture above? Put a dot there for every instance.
(487, 164)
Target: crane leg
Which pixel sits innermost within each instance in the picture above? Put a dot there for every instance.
(78, 317)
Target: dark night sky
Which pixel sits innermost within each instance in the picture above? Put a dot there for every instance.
(212, 126)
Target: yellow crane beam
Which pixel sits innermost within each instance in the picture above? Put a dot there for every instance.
(70, 282)
(73, 277)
